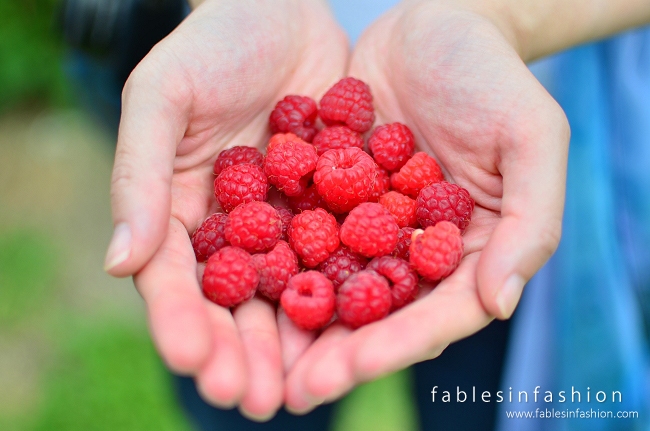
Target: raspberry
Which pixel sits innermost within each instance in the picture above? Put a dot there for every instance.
(381, 185)
(309, 300)
(230, 277)
(403, 243)
(209, 237)
(341, 264)
(255, 227)
(420, 171)
(401, 207)
(309, 200)
(363, 298)
(295, 114)
(286, 216)
(348, 102)
(391, 145)
(240, 184)
(402, 280)
(281, 138)
(314, 235)
(337, 137)
(345, 178)
(370, 230)
(444, 201)
(275, 269)
(289, 165)
(436, 252)
(237, 156)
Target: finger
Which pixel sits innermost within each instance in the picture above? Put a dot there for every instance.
(298, 400)
(534, 181)
(293, 340)
(178, 318)
(418, 332)
(153, 122)
(258, 330)
(223, 379)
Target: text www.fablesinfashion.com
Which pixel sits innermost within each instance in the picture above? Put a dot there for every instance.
(571, 414)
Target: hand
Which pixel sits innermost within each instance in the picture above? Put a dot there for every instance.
(210, 85)
(449, 73)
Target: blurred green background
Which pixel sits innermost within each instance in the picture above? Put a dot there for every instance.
(74, 348)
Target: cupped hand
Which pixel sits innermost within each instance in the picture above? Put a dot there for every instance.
(211, 85)
(450, 72)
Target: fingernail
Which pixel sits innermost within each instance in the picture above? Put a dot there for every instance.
(299, 411)
(119, 248)
(255, 417)
(508, 297)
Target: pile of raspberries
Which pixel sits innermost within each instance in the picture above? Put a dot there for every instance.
(357, 226)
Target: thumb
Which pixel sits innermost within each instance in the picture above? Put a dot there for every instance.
(152, 124)
(534, 182)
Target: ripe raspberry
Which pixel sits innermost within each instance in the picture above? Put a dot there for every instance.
(209, 237)
(348, 102)
(420, 171)
(370, 230)
(401, 207)
(237, 156)
(280, 138)
(286, 216)
(436, 251)
(255, 227)
(345, 178)
(444, 201)
(240, 184)
(289, 165)
(275, 268)
(341, 264)
(402, 280)
(381, 185)
(230, 277)
(363, 298)
(391, 145)
(314, 235)
(309, 200)
(309, 300)
(297, 115)
(403, 243)
(336, 137)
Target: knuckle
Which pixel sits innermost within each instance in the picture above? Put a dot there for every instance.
(549, 237)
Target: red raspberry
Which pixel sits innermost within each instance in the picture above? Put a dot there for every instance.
(297, 115)
(345, 178)
(255, 227)
(337, 137)
(275, 268)
(286, 216)
(230, 277)
(403, 243)
(436, 251)
(240, 184)
(363, 298)
(314, 235)
(281, 138)
(370, 230)
(391, 145)
(444, 201)
(348, 102)
(381, 185)
(209, 237)
(420, 171)
(309, 300)
(289, 165)
(401, 207)
(402, 280)
(237, 156)
(341, 264)
(309, 200)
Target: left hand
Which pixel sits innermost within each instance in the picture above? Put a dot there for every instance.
(450, 73)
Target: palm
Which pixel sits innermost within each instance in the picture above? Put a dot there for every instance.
(470, 102)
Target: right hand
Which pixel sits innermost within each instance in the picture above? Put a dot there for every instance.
(210, 85)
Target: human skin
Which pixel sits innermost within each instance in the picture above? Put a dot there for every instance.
(452, 70)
